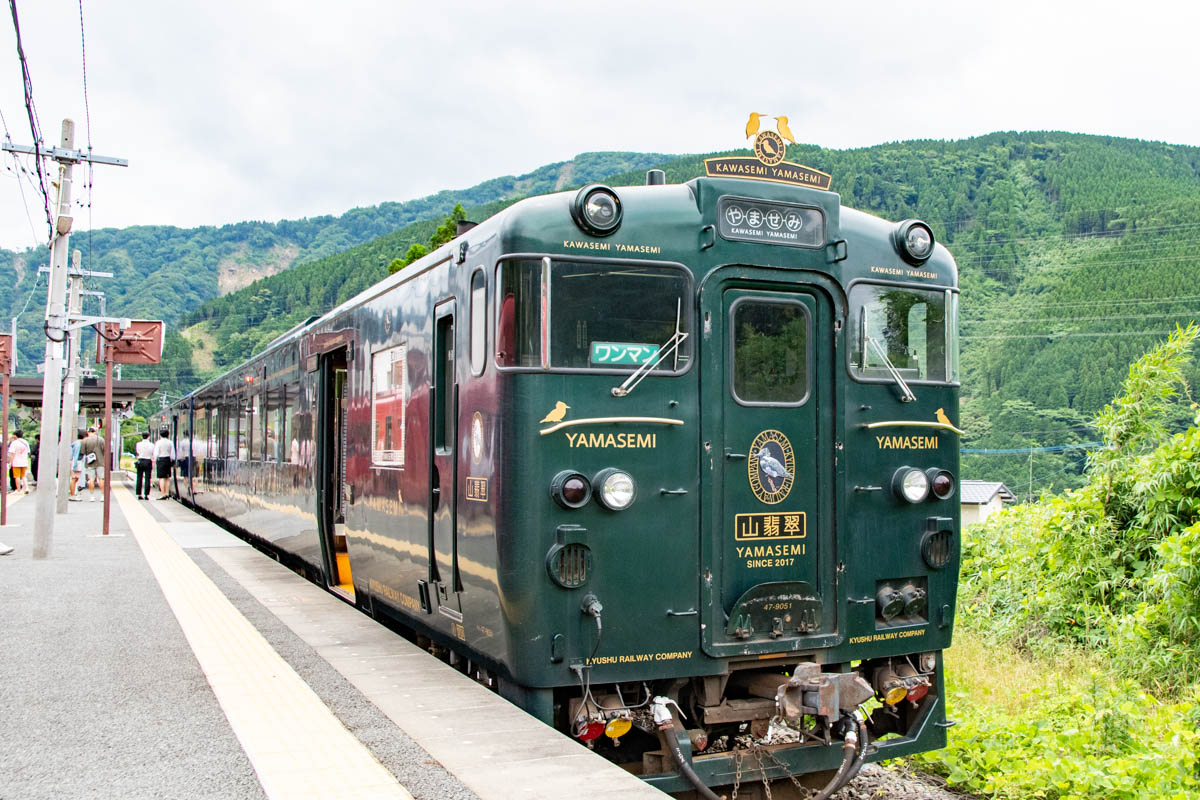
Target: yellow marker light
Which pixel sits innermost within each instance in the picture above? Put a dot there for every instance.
(617, 727)
(895, 695)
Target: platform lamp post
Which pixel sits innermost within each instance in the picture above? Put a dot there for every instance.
(6, 345)
(138, 342)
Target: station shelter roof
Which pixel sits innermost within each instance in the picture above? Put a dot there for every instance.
(28, 392)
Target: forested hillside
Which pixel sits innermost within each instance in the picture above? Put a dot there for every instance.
(163, 272)
(1076, 252)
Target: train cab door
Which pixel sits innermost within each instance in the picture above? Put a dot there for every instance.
(332, 399)
(767, 423)
(444, 585)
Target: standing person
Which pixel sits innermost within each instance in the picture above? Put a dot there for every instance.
(18, 457)
(164, 456)
(33, 459)
(145, 460)
(91, 453)
(76, 466)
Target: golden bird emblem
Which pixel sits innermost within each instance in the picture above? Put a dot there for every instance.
(781, 125)
(752, 125)
(942, 418)
(560, 411)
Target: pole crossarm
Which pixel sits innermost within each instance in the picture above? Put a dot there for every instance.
(84, 322)
(64, 154)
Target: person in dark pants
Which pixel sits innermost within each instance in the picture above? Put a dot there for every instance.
(164, 457)
(145, 460)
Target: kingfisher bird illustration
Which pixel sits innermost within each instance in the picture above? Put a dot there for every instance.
(781, 125)
(769, 465)
(560, 411)
(942, 418)
(752, 125)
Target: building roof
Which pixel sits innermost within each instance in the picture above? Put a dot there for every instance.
(978, 493)
(28, 392)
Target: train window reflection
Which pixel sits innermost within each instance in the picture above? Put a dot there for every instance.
(389, 382)
(910, 326)
(770, 352)
(611, 317)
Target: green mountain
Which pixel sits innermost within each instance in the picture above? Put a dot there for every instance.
(164, 272)
(1076, 253)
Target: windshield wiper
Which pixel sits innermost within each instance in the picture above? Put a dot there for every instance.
(668, 347)
(907, 396)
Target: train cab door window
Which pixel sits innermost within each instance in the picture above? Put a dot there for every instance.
(478, 322)
(770, 351)
(254, 440)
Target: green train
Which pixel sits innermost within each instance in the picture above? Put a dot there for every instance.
(673, 467)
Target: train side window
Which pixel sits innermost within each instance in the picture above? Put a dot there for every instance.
(769, 351)
(478, 322)
(519, 314)
(913, 331)
(389, 385)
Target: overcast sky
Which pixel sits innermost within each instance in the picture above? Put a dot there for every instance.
(269, 109)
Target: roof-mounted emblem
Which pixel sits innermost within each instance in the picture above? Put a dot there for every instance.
(768, 163)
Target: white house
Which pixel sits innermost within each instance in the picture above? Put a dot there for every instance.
(980, 499)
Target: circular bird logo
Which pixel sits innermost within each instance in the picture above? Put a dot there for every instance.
(769, 147)
(771, 466)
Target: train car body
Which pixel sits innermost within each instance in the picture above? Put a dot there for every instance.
(698, 465)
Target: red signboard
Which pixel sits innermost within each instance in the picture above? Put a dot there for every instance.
(6, 343)
(140, 343)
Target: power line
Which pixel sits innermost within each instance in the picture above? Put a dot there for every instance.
(34, 128)
(1067, 335)
(1058, 448)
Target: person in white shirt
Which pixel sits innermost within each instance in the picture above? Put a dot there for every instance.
(145, 460)
(164, 457)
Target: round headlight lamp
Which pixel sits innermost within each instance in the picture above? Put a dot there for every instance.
(570, 489)
(597, 210)
(615, 489)
(911, 484)
(914, 240)
(941, 483)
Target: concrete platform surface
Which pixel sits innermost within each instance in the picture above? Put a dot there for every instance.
(170, 659)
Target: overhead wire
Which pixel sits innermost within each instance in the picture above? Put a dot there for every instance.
(34, 127)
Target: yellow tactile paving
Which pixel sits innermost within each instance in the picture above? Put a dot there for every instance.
(297, 747)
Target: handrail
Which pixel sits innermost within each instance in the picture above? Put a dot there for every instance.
(606, 420)
(913, 423)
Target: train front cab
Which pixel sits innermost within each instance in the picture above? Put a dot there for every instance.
(811, 382)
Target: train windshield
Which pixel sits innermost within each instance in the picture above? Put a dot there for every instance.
(909, 332)
(574, 315)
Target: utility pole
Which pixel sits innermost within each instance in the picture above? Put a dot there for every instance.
(70, 410)
(57, 325)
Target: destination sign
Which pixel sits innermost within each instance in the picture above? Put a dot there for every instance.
(743, 220)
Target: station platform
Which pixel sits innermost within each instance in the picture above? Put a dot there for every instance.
(171, 659)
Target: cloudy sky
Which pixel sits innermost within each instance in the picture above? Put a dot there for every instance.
(267, 109)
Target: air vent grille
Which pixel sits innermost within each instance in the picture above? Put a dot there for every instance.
(569, 565)
(937, 548)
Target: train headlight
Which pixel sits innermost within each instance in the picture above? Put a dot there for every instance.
(941, 483)
(911, 484)
(914, 240)
(570, 489)
(597, 210)
(615, 489)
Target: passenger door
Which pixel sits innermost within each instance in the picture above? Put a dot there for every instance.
(768, 428)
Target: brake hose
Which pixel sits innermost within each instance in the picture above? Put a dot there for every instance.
(666, 732)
